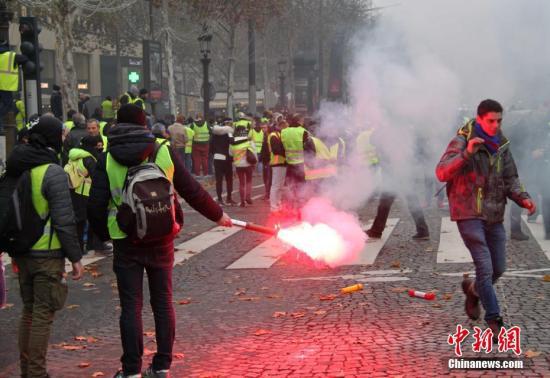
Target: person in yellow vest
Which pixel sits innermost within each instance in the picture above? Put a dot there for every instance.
(42, 269)
(142, 98)
(107, 109)
(20, 114)
(9, 78)
(159, 132)
(238, 150)
(242, 121)
(322, 158)
(277, 162)
(80, 168)
(257, 135)
(294, 138)
(366, 144)
(130, 144)
(129, 97)
(69, 123)
(189, 145)
(201, 143)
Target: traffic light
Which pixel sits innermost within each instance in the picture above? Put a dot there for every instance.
(29, 30)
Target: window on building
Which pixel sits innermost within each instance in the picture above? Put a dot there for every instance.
(82, 66)
(47, 75)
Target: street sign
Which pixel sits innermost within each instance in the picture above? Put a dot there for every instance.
(133, 77)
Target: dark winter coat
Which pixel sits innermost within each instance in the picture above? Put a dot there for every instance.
(56, 104)
(55, 189)
(478, 185)
(130, 145)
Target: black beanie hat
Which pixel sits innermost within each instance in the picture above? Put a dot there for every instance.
(131, 113)
(46, 131)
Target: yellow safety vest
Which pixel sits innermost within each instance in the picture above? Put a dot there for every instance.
(258, 138)
(202, 134)
(48, 240)
(9, 75)
(275, 159)
(239, 152)
(117, 177)
(366, 150)
(242, 123)
(293, 143)
(189, 143)
(107, 109)
(20, 105)
(69, 125)
(79, 177)
(324, 164)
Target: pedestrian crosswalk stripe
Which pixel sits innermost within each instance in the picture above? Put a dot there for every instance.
(373, 246)
(261, 256)
(451, 246)
(199, 243)
(267, 253)
(537, 230)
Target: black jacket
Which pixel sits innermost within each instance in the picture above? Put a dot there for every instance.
(220, 140)
(55, 189)
(56, 104)
(130, 145)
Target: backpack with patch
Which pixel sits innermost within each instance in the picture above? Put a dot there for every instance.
(150, 209)
(20, 224)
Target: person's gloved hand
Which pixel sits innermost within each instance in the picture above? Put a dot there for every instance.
(529, 204)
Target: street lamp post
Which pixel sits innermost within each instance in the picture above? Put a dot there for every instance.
(204, 41)
(282, 95)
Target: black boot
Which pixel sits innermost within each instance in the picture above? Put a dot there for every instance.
(495, 324)
(471, 304)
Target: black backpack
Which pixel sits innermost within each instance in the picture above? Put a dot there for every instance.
(20, 224)
(150, 209)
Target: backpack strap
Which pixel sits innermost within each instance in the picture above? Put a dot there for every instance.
(153, 155)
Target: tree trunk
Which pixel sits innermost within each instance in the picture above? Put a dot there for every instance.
(290, 71)
(62, 13)
(231, 70)
(118, 64)
(252, 66)
(168, 52)
(268, 98)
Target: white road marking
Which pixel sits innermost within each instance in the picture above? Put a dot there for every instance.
(366, 276)
(537, 230)
(507, 274)
(199, 243)
(373, 246)
(451, 245)
(262, 256)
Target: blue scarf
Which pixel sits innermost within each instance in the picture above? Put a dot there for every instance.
(491, 142)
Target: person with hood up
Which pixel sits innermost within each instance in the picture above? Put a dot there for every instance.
(131, 143)
(80, 168)
(238, 150)
(41, 270)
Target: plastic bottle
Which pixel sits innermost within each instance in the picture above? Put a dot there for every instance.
(352, 288)
(420, 294)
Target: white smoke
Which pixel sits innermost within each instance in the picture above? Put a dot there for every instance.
(424, 60)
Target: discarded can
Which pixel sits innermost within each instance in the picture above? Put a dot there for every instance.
(352, 288)
(421, 294)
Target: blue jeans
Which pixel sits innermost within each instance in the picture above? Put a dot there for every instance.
(487, 245)
(188, 162)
